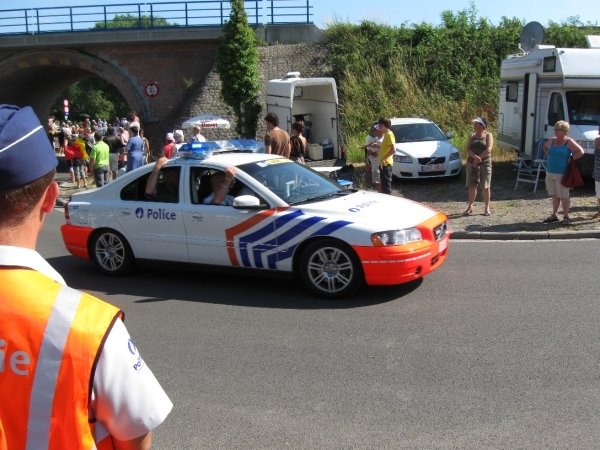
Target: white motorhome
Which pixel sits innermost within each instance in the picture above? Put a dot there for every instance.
(543, 85)
(313, 100)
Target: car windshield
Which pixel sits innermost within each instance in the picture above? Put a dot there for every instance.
(417, 132)
(584, 108)
(293, 183)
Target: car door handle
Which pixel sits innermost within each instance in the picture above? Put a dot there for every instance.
(124, 211)
(195, 215)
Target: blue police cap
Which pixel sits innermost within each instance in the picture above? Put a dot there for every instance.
(25, 150)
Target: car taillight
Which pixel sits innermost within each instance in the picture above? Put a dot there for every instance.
(66, 207)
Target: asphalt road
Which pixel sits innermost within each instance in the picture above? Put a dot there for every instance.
(497, 349)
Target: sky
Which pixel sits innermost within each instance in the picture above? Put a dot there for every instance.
(395, 12)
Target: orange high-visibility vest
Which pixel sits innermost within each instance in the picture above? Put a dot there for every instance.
(50, 340)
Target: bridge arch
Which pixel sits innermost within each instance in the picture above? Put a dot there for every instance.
(37, 77)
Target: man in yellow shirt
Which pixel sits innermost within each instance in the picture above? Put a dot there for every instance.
(386, 155)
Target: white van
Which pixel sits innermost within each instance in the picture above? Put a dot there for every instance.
(543, 85)
(313, 100)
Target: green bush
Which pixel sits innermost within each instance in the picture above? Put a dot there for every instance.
(449, 73)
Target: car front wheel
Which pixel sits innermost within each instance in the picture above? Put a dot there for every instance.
(331, 269)
(111, 253)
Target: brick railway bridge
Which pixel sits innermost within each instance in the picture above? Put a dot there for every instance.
(153, 68)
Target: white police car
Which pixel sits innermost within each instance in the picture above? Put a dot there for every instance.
(289, 219)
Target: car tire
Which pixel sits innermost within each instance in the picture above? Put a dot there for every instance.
(111, 252)
(330, 269)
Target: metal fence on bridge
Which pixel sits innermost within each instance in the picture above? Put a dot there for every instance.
(200, 13)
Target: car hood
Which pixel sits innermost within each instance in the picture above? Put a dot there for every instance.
(425, 149)
(377, 211)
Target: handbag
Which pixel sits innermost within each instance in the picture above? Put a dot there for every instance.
(572, 177)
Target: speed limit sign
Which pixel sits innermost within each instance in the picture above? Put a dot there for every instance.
(151, 89)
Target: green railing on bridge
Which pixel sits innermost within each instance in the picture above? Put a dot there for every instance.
(200, 13)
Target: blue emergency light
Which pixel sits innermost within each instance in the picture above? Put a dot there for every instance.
(198, 150)
(203, 150)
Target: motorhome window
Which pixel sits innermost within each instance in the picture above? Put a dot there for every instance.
(298, 93)
(550, 64)
(512, 92)
(556, 110)
(584, 107)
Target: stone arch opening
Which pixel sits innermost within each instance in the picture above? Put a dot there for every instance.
(37, 78)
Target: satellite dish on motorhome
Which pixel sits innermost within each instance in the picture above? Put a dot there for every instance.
(533, 34)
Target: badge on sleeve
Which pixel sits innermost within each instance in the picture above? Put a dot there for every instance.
(136, 361)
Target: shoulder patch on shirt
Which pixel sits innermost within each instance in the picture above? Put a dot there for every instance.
(136, 360)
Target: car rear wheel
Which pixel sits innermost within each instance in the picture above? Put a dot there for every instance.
(111, 253)
(331, 269)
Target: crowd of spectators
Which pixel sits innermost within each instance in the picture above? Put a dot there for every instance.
(106, 148)
(99, 146)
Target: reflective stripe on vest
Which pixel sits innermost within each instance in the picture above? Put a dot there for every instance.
(50, 340)
(48, 365)
(3, 445)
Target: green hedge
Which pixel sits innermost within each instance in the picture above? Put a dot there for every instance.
(449, 72)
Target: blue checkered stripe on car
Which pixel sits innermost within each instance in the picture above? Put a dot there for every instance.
(264, 247)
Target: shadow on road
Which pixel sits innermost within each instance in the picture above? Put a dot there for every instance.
(187, 284)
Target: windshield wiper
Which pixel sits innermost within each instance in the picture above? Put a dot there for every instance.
(323, 196)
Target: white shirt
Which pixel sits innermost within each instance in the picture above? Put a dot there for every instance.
(126, 397)
(199, 138)
(374, 159)
(227, 201)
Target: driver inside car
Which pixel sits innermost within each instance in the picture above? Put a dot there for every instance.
(220, 184)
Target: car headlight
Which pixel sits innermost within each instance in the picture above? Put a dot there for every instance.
(454, 156)
(402, 159)
(396, 237)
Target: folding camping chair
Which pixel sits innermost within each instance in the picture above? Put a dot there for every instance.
(529, 170)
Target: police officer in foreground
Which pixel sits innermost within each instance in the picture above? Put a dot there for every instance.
(70, 375)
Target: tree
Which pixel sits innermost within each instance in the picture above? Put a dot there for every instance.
(94, 96)
(237, 66)
(131, 21)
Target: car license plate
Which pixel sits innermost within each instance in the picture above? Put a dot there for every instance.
(443, 245)
(434, 167)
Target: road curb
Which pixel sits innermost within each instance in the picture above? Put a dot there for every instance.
(524, 235)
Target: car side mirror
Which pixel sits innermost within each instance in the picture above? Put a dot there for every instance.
(248, 202)
(449, 135)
